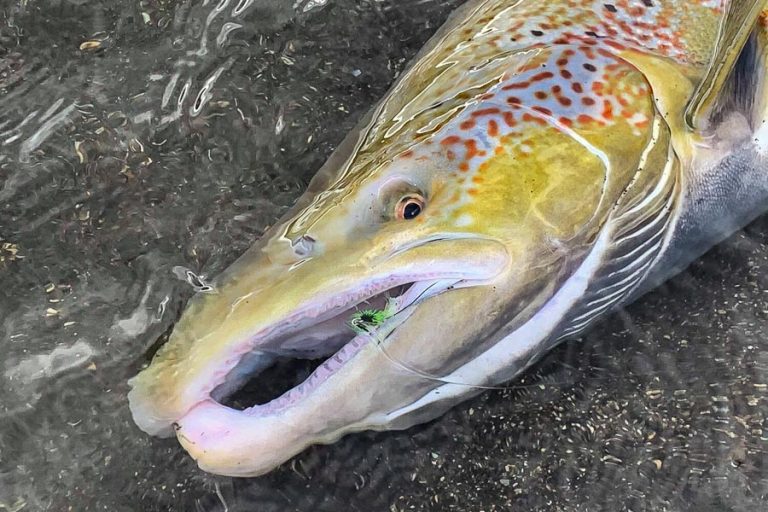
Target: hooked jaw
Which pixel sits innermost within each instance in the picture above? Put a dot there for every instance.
(355, 388)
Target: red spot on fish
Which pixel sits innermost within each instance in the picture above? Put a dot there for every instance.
(546, 75)
(509, 119)
(464, 166)
(588, 101)
(577, 88)
(486, 112)
(520, 85)
(451, 139)
(472, 150)
(493, 128)
(565, 122)
(566, 74)
(529, 118)
(541, 95)
(605, 53)
(607, 110)
(466, 125)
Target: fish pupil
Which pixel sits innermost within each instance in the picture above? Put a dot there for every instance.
(411, 211)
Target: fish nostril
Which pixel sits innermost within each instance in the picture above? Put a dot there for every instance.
(303, 246)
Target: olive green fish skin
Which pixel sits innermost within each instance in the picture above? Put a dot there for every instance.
(563, 157)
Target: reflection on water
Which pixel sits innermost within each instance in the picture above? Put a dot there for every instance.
(144, 145)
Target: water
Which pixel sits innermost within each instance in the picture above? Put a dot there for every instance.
(141, 141)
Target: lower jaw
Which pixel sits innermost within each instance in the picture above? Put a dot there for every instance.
(411, 295)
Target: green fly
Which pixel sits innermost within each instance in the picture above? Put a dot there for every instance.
(367, 320)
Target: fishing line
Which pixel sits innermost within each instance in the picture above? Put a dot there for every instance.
(371, 329)
(379, 342)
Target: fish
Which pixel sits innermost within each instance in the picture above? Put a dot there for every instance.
(537, 166)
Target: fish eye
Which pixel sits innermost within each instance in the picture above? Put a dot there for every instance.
(410, 207)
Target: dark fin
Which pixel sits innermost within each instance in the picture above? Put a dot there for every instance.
(735, 30)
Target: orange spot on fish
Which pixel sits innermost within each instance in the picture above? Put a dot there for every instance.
(607, 110)
(509, 119)
(466, 125)
(533, 119)
(642, 124)
(486, 112)
(472, 151)
(520, 85)
(463, 166)
(451, 139)
(546, 75)
(614, 44)
(493, 128)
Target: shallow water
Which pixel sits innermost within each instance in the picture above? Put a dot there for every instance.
(142, 139)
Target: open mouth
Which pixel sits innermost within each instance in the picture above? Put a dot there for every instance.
(312, 345)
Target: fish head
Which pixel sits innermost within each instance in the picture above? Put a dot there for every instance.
(451, 255)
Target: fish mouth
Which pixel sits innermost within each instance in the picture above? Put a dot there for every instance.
(219, 383)
(323, 337)
(320, 345)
